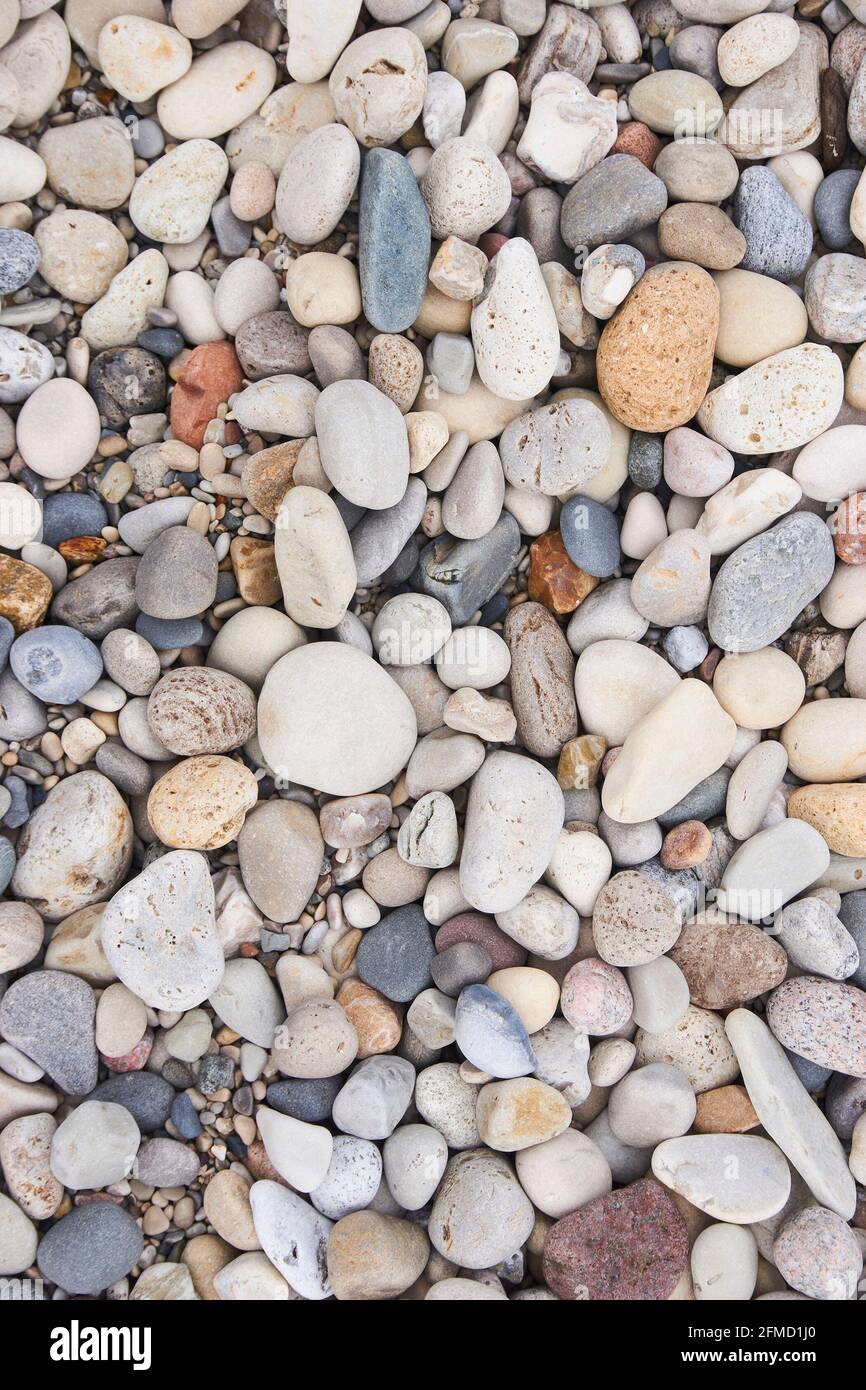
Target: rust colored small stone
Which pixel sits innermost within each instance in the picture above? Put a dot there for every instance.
(707, 668)
(848, 527)
(637, 139)
(255, 571)
(135, 1060)
(491, 242)
(344, 951)
(25, 593)
(267, 476)
(725, 1110)
(377, 1021)
(83, 550)
(686, 845)
(211, 374)
(248, 949)
(554, 579)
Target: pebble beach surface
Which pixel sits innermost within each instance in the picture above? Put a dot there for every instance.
(432, 649)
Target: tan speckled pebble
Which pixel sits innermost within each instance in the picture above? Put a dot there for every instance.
(202, 802)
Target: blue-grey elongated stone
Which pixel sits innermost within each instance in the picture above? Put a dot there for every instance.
(394, 956)
(90, 1249)
(491, 1035)
(394, 242)
(763, 586)
(705, 800)
(778, 235)
(379, 537)
(833, 208)
(19, 259)
(56, 664)
(463, 575)
(50, 1016)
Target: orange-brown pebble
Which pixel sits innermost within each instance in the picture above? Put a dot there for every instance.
(82, 550)
(267, 476)
(848, 526)
(204, 1257)
(686, 845)
(554, 579)
(725, 1110)
(637, 139)
(25, 593)
(210, 375)
(580, 761)
(255, 570)
(376, 1020)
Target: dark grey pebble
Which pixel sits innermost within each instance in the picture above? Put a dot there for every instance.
(178, 1074)
(833, 208)
(21, 714)
(813, 1077)
(394, 956)
(379, 536)
(214, 1073)
(165, 342)
(68, 514)
(101, 600)
(19, 808)
(646, 460)
(233, 236)
(50, 1016)
(7, 863)
(129, 773)
(852, 914)
(538, 222)
(767, 582)
(146, 1096)
(305, 1100)
(272, 343)
(845, 1102)
(184, 1117)
(464, 963)
(177, 574)
(694, 50)
(463, 575)
(398, 572)
(126, 381)
(19, 259)
(7, 637)
(611, 202)
(90, 1249)
(166, 634)
(590, 535)
(778, 235)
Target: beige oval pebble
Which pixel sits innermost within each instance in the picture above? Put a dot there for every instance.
(759, 690)
(754, 46)
(322, 288)
(139, 57)
(121, 1020)
(121, 314)
(49, 452)
(534, 994)
(172, 200)
(518, 1113)
(21, 933)
(780, 403)
(194, 710)
(832, 466)
(618, 682)
(199, 18)
(746, 506)
(220, 90)
(202, 802)
(314, 558)
(38, 57)
(826, 741)
(682, 740)
(317, 184)
(758, 316)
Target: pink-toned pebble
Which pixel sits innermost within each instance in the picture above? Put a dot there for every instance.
(596, 998)
(695, 466)
(135, 1060)
(253, 191)
(817, 1254)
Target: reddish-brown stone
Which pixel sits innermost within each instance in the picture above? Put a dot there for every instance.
(637, 139)
(629, 1244)
(135, 1060)
(848, 526)
(554, 579)
(728, 963)
(83, 550)
(491, 242)
(211, 374)
(475, 926)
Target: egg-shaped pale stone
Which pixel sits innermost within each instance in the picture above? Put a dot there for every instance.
(780, 403)
(139, 57)
(759, 690)
(514, 329)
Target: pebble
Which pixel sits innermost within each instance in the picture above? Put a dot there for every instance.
(509, 792)
(731, 1177)
(480, 1214)
(49, 1016)
(177, 960)
(753, 417)
(822, 1020)
(394, 955)
(817, 1254)
(611, 202)
(514, 328)
(294, 1236)
(90, 1249)
(631, 1243)
(94, 1146)
(394, 229)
